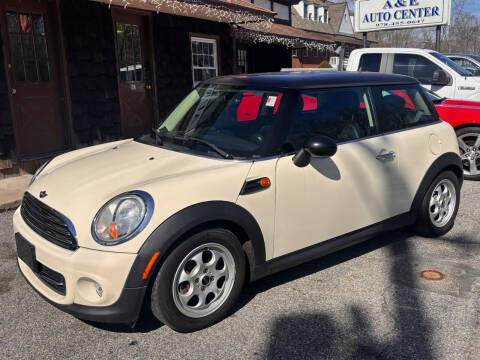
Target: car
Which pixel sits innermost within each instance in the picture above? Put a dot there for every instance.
(469, 62)
(433, 70)
(249, 175)
(464, 116)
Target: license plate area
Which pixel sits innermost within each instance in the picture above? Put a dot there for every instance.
(26, 252)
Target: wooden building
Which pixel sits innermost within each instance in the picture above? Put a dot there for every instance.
(79, 72)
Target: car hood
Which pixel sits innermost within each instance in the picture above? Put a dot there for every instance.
(79, 183)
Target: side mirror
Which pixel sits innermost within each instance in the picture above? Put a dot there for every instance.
(317, 147)
(440, 77)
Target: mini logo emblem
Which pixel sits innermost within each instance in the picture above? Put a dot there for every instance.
(43, 193)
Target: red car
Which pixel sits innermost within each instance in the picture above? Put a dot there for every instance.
(464, 116)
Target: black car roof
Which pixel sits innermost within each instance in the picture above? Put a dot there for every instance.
(313, 79)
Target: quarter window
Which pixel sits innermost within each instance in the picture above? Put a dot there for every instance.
(401, 107)
(204, 59)
(370, 62)
(415, 66)
(342, 114)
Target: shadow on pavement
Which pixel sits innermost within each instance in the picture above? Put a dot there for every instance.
(319, 335)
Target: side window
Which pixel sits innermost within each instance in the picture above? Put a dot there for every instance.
(400, 107)
(415, 66)
(343, 114)
(370, 62)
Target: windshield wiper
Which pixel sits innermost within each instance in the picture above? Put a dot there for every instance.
(215, 148)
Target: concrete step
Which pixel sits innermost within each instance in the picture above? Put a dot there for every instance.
(6, 164)
(12, 190)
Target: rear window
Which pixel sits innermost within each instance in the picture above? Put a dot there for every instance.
(370, 62)
(400, 107)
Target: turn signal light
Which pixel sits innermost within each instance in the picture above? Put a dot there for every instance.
(264, 182)
(150, 264)
(113, 230)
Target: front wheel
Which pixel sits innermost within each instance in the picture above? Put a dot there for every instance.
(469, 145)
(439, 206)
(199, 281)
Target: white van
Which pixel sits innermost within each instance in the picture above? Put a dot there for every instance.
(433, 70)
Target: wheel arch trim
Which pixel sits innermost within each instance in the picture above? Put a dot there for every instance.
(195, 218)
(446, 161)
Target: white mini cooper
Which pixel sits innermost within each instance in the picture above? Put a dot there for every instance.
(249, 175)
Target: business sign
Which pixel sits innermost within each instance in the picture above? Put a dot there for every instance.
(375, 15)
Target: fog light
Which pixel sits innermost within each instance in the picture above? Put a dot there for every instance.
(98, 289)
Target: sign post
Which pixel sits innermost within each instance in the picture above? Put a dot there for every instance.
(377, 15)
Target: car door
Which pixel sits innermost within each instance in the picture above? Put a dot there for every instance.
(422, 69)
(333, 196)
(404, 119)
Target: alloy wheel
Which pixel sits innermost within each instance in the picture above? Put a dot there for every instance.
(442, 203)
(203, 280)
(469, 145)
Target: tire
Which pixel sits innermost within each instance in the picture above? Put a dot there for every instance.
(182, 276)
(469, 144)
(432, 223)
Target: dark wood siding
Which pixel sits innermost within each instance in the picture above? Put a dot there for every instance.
(173, 58)
(6, 125)
(90, 57)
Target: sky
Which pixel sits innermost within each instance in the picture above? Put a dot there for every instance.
(473, 7)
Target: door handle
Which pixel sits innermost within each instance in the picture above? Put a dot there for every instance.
(387, 156)
(14, 91)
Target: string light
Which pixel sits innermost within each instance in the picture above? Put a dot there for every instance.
(290, 42)
(259, 26)
(215, 10)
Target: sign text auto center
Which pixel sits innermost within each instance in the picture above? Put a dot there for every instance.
(371, 15)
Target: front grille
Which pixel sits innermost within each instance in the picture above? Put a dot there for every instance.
(47, 222)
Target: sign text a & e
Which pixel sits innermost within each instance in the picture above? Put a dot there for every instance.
(374, 15)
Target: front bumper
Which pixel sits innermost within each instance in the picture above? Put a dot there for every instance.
(81, 269)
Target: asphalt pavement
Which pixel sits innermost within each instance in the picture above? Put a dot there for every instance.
(365, 302)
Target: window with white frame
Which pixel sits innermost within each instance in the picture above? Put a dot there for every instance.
(305, 10)
(204, 59)
(305, 51)
(315, 52)
(315, 13)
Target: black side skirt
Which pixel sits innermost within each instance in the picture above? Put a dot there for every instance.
(329, 246)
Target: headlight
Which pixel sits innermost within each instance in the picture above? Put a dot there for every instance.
(39, 170)
(122, 218)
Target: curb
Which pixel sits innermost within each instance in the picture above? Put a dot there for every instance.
(12, 205)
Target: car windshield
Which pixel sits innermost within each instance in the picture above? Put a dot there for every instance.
(452, 64)
(222, 120)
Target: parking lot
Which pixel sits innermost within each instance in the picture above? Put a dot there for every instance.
(367, 301)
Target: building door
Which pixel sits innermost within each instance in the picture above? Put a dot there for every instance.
(134, 69)
(33, 80)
